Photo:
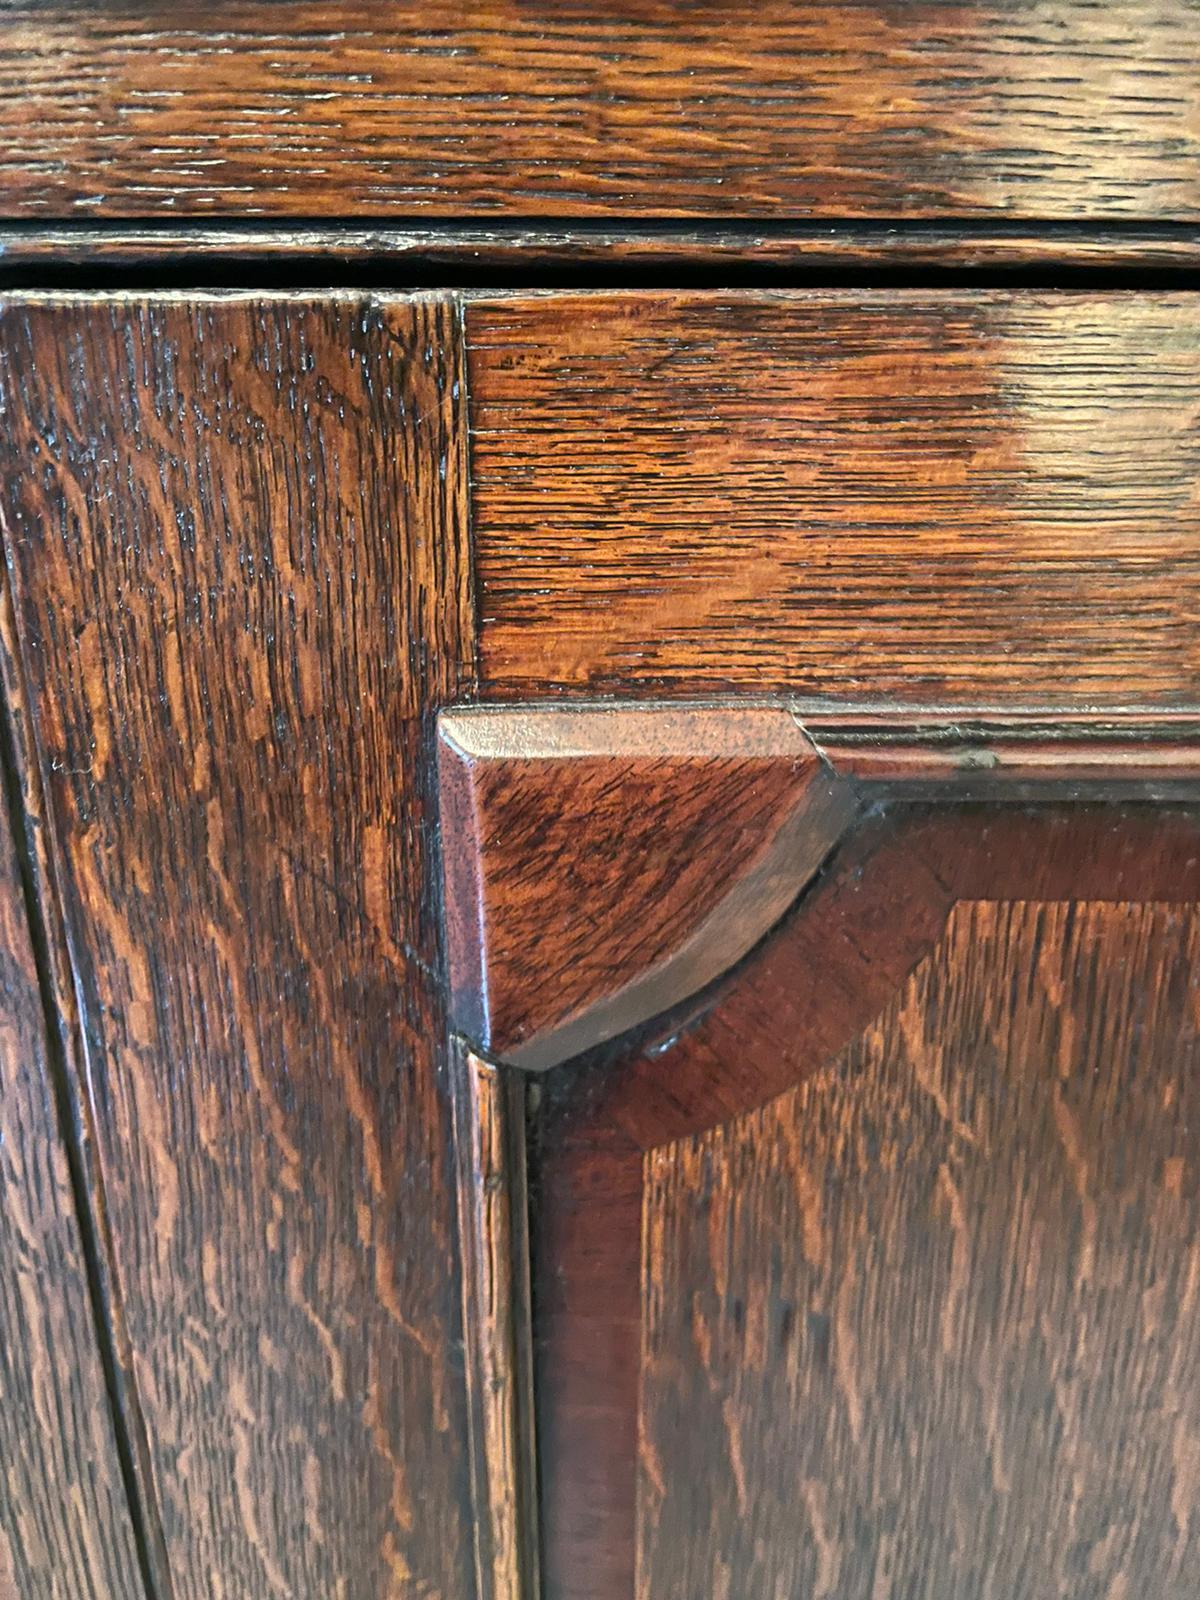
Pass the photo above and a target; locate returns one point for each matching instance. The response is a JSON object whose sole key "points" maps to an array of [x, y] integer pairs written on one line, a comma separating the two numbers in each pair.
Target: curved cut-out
{"points": [[603, 864]]}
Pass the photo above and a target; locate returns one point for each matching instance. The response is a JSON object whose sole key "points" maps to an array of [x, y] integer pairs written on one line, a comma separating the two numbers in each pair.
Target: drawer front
{"points": [[792, 109]]}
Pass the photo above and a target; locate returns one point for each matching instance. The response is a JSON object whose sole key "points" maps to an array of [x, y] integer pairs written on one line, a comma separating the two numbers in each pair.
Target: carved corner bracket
{"points": [[603, 864]]}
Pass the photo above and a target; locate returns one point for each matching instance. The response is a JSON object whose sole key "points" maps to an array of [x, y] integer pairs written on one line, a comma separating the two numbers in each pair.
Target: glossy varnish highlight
{"points": [[985, 498]]}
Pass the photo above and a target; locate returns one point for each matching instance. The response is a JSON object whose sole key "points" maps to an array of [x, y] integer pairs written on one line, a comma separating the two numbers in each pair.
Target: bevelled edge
{"points": [[493, 1223]]}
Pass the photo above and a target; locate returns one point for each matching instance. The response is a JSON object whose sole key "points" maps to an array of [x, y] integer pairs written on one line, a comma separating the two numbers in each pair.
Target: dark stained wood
{"points": [[809, 991], [236, 530], [493, 1209], [66, 1529], [602, 864], [924, 497], [927, 1324], [861, 108], [483, 252]]}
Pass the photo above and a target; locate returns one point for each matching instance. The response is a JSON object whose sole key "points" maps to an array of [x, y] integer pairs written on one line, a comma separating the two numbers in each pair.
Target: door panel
{"points": [[927, 1324], [869, 1266]]}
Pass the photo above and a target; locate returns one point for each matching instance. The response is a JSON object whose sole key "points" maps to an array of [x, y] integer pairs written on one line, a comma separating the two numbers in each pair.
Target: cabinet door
{"points": [[864, 1229], [824, 955]]}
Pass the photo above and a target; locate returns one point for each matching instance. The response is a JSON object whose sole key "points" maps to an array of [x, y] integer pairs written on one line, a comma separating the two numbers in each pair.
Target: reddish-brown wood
{"points": [[493, 1209], [236, 532], [927, 1324], [601, 865], [917, 497], [982, 809], [810, 991], [859, 108]]}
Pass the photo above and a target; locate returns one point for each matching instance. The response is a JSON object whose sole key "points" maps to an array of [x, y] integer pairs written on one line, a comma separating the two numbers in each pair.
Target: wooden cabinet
{"points": [[599, 643]]}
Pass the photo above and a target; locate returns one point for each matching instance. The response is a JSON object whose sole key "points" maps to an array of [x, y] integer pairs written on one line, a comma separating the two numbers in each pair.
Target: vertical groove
{"points": [[464, 412], [489, 1107], [29, 822]]}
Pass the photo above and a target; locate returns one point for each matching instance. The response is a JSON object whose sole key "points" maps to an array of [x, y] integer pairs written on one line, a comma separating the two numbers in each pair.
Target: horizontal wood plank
{"points": [[863, 108], [498, 252], [925, 496]]}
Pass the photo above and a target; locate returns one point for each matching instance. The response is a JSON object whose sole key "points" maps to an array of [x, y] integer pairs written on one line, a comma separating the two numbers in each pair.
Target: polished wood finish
{"points": [[926, 1325], [284, 108], [938, 814], [602, 865], [66, 1527], [236, 531], [493, 1208], [608, 1154], [923, 497]]}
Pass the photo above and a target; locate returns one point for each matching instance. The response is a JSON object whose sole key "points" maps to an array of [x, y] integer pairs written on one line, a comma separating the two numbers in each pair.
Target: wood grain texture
{"points": [[927, 1325], [236, 531], [851, 109], [603, 864], [805, 996], [66, 1529], [493, 1210], [925, 497]]}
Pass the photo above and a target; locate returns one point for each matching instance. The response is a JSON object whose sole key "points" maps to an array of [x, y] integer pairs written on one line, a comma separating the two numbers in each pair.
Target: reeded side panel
{"points": [[236, 532]]}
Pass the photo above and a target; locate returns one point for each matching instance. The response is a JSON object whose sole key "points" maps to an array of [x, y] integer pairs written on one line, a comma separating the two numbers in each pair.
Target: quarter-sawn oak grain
{"points": [[236, 531], [918, 497], [802, 998], [1059, 109], [927, 1324], [65, 1526]]}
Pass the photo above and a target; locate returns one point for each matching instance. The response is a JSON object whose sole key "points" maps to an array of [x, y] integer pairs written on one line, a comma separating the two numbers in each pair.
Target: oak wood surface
{"points": [[804, 997], [236, 532], [917, 496], [926, 1325], [601, 865], [257, 107], [66, 1529]]}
